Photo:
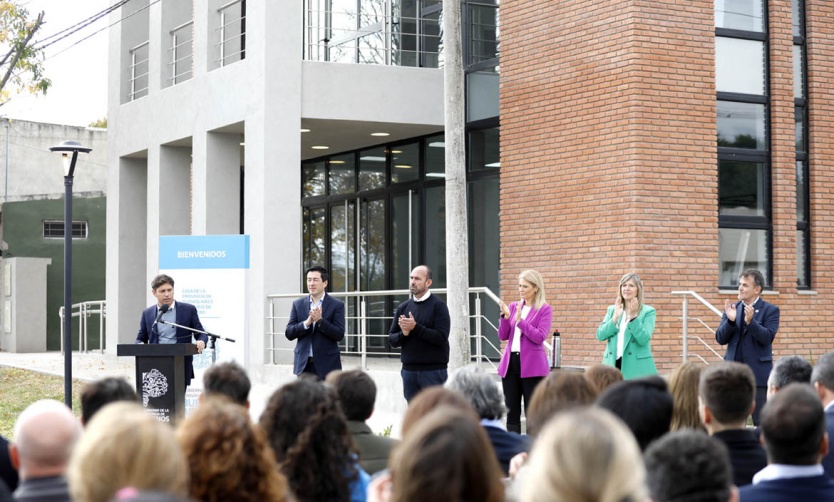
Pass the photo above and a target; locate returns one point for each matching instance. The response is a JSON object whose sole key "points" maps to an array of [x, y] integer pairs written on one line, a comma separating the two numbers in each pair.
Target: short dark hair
{"points": [[793, 425], [728, 389], [644, 404], [788, 370], [756, 275], [227, 379], [325, 277], [688, 465], [102, 392], [356, 391], [824, 371], [160, 280]]}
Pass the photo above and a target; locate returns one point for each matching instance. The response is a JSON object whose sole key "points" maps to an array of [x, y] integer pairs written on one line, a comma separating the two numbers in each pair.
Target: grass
{"points": [[20, 388]]}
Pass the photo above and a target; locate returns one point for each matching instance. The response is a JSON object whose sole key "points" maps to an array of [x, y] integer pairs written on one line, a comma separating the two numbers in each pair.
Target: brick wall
{"points": [[608, 159]]}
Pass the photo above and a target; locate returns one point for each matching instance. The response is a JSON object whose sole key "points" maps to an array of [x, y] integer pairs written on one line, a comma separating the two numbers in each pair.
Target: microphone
{"points": [[164, 308]]}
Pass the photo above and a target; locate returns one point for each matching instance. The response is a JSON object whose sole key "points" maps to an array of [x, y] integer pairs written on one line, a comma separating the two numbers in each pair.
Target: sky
{"points": [[78, 95]]}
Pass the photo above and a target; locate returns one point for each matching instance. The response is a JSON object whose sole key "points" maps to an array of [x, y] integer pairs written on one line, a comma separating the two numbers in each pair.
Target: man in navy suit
{"points": [[317, 321], [793, 431], [152, 330], [823, 380], [748, 328]]}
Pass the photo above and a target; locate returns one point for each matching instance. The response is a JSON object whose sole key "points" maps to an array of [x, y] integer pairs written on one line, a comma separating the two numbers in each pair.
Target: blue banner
{"points": [[203, 251]]}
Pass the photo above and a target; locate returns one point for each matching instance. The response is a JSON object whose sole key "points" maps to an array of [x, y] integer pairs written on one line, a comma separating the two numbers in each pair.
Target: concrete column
{"points": [[221, 198], [174, 208]]}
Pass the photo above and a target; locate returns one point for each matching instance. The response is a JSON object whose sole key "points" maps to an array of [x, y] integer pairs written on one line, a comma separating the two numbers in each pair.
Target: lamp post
{"points": [[69, 153]]}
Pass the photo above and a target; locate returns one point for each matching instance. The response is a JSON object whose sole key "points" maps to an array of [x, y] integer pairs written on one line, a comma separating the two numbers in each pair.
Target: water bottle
{"points": [[556, 351]]}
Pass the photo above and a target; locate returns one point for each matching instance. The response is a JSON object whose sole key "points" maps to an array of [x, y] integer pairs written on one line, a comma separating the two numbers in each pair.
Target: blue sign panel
{"points": [[203, 251]]}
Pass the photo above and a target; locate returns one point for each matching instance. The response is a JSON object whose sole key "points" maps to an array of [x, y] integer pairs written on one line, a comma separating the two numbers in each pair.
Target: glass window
{"points": [[484, 149], [796, 17], [802, 279], [435, 157], [798, 73], [740, 249], [405, 163], [741, 188], [741, 125], [483, 32], [342, 174], [404, 232], [747, 15], [800, 191], [799, 122], [313, 182], [342, 245], [314, 233], [436, 234], [371, 169], [739, 66]]}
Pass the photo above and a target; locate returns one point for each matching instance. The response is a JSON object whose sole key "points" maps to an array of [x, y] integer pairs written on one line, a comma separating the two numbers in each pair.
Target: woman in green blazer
{"points": [[628, 328]]}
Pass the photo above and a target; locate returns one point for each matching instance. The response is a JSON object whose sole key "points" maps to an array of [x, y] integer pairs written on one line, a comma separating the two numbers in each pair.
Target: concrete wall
{"points": [[23, 293]]}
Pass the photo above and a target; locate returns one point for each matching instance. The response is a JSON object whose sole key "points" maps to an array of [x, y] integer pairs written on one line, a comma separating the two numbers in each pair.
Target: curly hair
{"points": [[308, 433], [228, 456]]}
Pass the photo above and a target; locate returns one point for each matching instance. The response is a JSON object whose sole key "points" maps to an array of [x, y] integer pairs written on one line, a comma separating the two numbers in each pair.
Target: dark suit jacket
{"points": [[186, 316], [324, 336], [506, 445], [373, 450], [747, 455], [754, 340], [49, 489], [813, 488], [828, 460], [7, 472]]}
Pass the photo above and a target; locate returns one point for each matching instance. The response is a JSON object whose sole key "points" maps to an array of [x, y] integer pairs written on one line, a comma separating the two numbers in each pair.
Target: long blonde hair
{"points": [[632, 276], [537, 281]]}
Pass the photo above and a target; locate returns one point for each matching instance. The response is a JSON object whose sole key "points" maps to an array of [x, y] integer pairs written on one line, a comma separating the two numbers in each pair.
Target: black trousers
{"points": [[761, 398], [516, 389]]}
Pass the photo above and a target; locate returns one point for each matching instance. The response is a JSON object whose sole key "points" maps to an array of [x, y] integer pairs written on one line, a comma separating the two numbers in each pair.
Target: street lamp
{"points": [[69, 152]]}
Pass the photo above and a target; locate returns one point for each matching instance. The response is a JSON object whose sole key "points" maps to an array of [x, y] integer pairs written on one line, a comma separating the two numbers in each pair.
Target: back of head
{"points": [[356, 391], [688, 465], [227, 379], [728, 389], [643, 404], [683, 385], [228, 456], [788, 370], [793, 426], [124, 446], [584, 455], [603, 376], [44, 436], [102, 392], [823, 373], [447, 456], [429, 399], [481, 389], [559, 391]]}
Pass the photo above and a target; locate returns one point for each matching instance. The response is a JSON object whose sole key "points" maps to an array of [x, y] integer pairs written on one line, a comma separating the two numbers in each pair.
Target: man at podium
{"points": [[155, 325]]}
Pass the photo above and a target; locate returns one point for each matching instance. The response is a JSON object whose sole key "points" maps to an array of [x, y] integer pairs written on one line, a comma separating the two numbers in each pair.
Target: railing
{"points": [[374, 33], [685, 295], [361, 319], [139, 71], [232, 32], [83, 311], [182, 52]]}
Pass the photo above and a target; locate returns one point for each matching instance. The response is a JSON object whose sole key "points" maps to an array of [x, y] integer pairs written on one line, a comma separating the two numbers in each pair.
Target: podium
{"points": [[160, 376]]}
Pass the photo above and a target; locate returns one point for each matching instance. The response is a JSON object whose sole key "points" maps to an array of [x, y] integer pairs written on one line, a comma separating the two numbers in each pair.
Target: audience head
{"points": [[356, 391], [308, 433], [793, 426], [683, 385], [688, 465], [481, 389], [124, 446], [228, 379], [429, 399], [228, 456], [584, 454], [603, 376], [44, 436], [446, 456], [788, 370], [105, 391], [823, 377], [727, 395], [559, 391], [643, 404]]}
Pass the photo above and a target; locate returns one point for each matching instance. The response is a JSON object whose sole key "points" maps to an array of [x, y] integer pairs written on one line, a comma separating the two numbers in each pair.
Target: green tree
{"points": [[21, 62], [101, 123]]}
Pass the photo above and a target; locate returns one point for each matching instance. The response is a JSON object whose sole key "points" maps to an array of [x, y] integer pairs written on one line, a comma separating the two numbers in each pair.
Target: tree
{"points": [[21, 62], [100, 123]]}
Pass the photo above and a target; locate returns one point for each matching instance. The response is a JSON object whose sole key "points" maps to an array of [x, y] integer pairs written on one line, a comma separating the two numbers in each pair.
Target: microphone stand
{"points": [[211, 336]]}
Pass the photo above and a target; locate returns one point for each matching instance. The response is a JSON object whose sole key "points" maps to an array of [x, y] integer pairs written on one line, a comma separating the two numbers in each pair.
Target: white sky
{"points": [[78, 94]]}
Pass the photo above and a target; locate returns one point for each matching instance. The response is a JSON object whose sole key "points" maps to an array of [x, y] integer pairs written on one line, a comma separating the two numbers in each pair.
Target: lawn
{"points": [[20, 388]]}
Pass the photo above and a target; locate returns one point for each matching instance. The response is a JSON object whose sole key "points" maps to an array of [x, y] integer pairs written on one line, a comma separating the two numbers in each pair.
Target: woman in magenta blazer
{"points": [[525, 325]]}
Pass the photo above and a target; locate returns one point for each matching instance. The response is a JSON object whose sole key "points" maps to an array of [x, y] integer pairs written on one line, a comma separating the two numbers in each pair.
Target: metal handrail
{"points": [[685, 295], [182, 51], [362, 319], [224, 39], [134, 77], [83, 311]]}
